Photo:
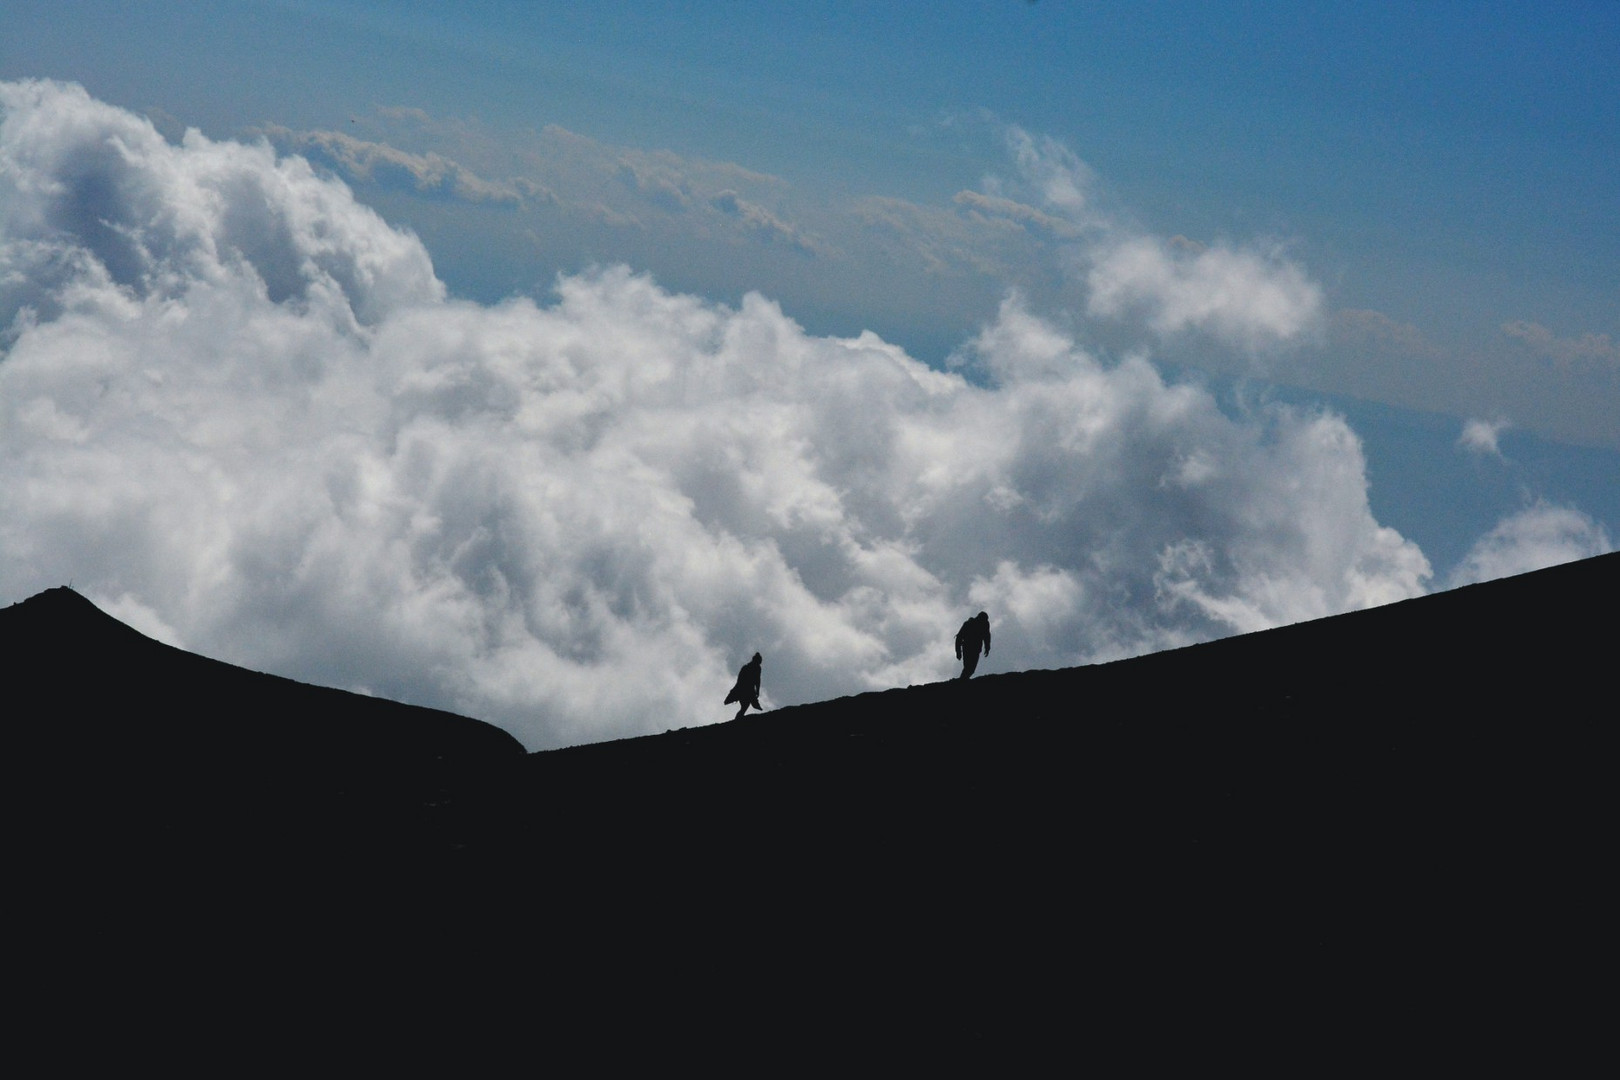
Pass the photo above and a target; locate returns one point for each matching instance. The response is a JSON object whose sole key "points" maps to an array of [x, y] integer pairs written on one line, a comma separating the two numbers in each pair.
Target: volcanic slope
{"points": [[1395, 820], [130, 746]]}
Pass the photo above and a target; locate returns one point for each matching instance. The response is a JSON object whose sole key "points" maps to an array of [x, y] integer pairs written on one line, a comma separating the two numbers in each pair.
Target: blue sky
{"points": [[1452, 134], [1447, 165], [1403, 217]]}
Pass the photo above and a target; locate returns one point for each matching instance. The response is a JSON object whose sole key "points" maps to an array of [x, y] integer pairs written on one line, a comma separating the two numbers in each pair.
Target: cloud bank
{"points": [[238, 409], [373, 162], [505, 210]]}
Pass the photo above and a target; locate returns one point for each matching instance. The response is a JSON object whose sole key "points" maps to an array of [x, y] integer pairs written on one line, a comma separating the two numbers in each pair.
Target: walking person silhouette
{"points": [[974, 635], [746, 692]]}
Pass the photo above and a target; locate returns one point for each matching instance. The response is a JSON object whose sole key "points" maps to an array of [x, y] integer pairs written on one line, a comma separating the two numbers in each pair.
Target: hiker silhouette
{"points": [[746, 692], [974, 635]]}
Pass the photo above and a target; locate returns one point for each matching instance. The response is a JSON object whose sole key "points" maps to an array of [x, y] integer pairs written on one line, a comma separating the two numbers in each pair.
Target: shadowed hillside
{"points": [[150, 749], [1393, 821]]}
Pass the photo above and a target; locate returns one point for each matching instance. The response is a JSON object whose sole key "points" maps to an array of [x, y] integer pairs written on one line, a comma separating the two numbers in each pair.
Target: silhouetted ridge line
{"points": [[148, 747], [1344, 831], [71, 644], [1513, 640], [1391, 813]]}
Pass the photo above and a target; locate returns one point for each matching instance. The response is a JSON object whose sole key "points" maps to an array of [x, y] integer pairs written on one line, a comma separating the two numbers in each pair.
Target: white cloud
{"points": [[1534, 538], [238, 407], [1248, 297], [99, 210], [1480, 436], [1062, 179]]}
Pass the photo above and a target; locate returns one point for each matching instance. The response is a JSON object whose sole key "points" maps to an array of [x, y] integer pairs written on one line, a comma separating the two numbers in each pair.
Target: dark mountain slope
{"points": [[1428, 691], [1311, 844], [1390, 819], [144, 747]]}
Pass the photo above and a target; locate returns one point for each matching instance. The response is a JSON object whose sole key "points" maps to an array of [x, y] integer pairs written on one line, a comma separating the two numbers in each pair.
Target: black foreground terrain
{"points": [[1285, 850]]}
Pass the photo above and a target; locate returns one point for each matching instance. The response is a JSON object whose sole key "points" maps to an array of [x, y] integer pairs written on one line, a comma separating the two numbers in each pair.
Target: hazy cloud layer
{"points": [[1564, 387], [761, 222], [237, 409], [373, 162], [1052, 232], [561, 173], [930, 272], [1590, 353]]}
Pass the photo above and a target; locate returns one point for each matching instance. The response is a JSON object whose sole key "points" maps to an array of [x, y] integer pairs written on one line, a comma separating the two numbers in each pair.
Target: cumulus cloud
{"points": [[1249, 297], [239, 409], [1480, 436], [1534, 538], [1244, 297]]}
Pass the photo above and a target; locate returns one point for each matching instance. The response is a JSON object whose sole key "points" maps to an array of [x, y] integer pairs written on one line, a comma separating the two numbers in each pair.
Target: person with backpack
{"points": [[974, 635], [746, 692]]}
